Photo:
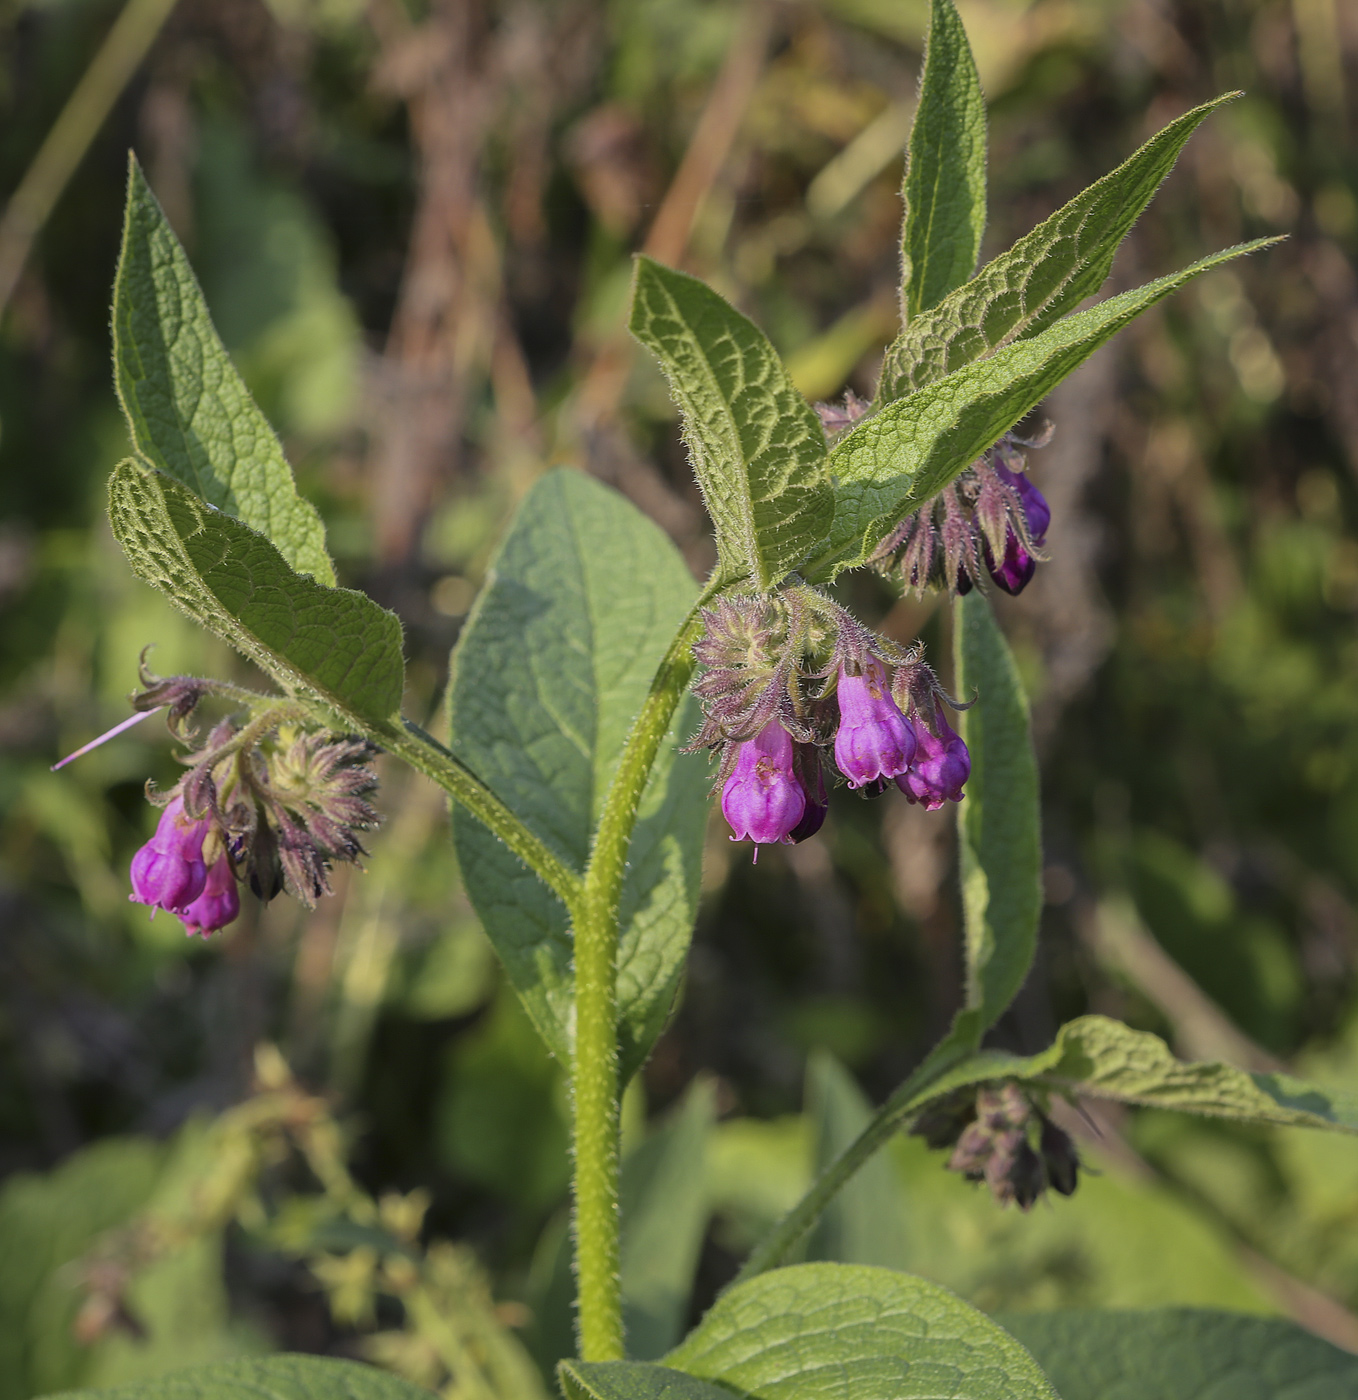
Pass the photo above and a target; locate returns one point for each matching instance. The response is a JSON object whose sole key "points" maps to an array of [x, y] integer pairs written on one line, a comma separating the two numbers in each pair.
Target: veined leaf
{"points": [[998, 822], [830, 1331], [188, 410], [902, 456], [757, 447], [945, 175], [269, 1378], [580, 605], [1183, 1354], [1043, 275], [333, 644], [632, 1380], [1104, 1059]]}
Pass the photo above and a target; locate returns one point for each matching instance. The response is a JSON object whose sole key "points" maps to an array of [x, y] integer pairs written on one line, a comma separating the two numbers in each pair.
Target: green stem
{"points": [[425, 754], [595, 1071], [774, 1248]]}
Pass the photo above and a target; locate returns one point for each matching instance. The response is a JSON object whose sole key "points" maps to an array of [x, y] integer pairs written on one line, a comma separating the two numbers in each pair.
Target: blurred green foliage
{"points": [[413, 224]]}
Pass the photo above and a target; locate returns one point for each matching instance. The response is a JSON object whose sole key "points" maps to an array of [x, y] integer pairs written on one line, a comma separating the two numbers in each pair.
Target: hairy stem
{"points": [[595, 1071], [425, 754], [773, 1249]]}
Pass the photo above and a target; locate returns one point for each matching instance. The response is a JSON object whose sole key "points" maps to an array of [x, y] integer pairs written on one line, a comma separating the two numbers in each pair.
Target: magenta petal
{"points": [[762, 799]]}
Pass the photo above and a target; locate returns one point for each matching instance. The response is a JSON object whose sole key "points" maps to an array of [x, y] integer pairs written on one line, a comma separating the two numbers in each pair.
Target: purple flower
{"points": [[875, 740], [942, 764], [762, 799], [218, 904], [168, 872]]}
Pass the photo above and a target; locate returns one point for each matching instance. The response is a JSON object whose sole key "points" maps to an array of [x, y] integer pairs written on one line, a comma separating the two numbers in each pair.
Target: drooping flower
{"points": [[763, 800], [217, 906], [941, 766], [168, 872], [875, 740]]}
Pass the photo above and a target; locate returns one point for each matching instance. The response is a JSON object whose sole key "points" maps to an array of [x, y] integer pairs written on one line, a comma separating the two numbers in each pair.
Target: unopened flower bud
{"points": [[168, 872], [941, 767], [875, 740], [217, 906], [763, 800]]}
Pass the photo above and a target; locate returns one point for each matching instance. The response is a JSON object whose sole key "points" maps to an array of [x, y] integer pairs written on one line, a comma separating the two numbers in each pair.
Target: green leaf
{"points": [[945, 177], [632, 1380], [998, 822], [271, 1378], [331, 644], [904, 455], [757, 447], [581, 603], [189, 413], [863, 1223], [840, 1330], [1105, 1059], [664, 1208], [1043, 275], [1183, 1354]]}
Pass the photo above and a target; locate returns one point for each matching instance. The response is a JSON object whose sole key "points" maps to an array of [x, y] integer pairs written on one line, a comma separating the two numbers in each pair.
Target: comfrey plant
{"points": [[577, 819]]}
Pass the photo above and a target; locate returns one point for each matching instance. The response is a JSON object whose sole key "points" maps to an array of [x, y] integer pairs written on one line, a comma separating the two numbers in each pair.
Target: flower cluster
{"points": [[790, 677], [266, 803], [991, 518], [999, 1136]]}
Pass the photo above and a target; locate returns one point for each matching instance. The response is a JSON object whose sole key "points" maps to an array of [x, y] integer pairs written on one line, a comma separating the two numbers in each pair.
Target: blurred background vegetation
{"points": [[413, 224]]}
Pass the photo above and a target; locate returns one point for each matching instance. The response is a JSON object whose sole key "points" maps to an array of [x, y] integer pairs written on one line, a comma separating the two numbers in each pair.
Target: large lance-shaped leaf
{"points": [[998, 823], [904, 455], [1183, 1354], [945, 175], [266, 1378], [332, 644], [1104, 1059], [833, 1331], [580, 605], [1043, 275], [756, 445], [189, 413]]}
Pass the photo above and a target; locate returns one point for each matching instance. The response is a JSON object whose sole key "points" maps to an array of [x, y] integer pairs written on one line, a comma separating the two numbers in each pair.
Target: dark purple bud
{"points": [[1060, 1158], [875, 740], [1015, 570], [763, 800], [940, 768], [217, 906], [806, 765], [263, 865], [168, 872], [1034, 503]]}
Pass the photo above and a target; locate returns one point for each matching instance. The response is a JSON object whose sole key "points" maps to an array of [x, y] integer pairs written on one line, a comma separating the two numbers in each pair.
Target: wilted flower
{"points": [[168, 872], [874, 740], [763, 799], [991, 1131]]}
